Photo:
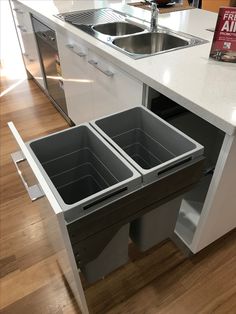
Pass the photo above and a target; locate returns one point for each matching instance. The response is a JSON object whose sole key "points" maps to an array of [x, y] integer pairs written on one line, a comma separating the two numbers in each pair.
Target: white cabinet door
{"points": [[28, 42], [219, 210], [113, 89], [93, 86], [52, 216], [77, 82], [18, 13]]}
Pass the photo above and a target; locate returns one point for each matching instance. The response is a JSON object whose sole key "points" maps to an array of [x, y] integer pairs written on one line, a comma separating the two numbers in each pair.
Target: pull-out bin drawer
{"points": [[155, 149], [99, 192], [84, 173]]}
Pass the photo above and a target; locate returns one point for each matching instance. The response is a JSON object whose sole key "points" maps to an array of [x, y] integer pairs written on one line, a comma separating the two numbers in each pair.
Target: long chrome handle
{"points": [[96, 65], [26, 55], [34, 191], [22, 28], [18, 11], [80, 53]]}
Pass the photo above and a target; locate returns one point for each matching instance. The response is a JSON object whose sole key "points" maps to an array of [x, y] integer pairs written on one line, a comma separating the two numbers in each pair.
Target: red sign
{"points": [[224, 42]]}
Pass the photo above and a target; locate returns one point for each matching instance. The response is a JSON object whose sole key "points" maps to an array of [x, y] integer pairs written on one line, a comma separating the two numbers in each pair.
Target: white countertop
{"points": [[187, 76]]}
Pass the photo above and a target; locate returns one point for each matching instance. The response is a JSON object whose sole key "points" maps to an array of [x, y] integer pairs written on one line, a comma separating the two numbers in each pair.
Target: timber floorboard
{"points": [[161, 280]]}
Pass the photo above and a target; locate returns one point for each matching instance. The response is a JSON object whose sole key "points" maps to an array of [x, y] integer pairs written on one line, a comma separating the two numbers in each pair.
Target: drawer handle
{"points": [[26, 55], [18, 11], [106, 72], [22, 28], [34, 191], [80, 53], [106, 197], [52, 38], [172, 167]]}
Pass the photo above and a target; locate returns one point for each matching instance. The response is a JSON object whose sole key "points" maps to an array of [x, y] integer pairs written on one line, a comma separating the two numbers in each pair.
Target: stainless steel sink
{"points": [[127, 33], [150, 43], [117, 29]]}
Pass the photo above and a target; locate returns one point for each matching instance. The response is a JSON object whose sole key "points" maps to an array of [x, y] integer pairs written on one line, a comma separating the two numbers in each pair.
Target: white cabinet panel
{"points": [[93, 86], [77, 82], [219, 212], [113, 89], [27, 42], [52, 216]]}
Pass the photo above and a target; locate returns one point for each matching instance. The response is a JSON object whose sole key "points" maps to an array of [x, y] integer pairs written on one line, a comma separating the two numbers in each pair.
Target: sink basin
{"points": [[150, 43], [128, 34], [117, 29]]}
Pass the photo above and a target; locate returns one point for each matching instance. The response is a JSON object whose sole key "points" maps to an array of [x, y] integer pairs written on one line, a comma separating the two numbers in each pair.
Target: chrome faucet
{"points": [[154, 17]]}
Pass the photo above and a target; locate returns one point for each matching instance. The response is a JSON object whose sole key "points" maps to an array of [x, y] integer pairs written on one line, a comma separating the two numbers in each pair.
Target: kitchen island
{"points": [[202, 86]]}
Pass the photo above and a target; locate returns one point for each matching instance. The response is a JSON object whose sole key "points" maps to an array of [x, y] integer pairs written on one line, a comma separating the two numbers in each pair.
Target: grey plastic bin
{"points": [[155, 149], [149, 143], [114, 255], [155, 226], [85, 172]]}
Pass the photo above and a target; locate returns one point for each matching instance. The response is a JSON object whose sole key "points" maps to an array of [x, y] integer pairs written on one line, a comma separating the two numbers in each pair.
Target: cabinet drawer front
{"points": [[22, 17], [113, 89], [77, 83], [53, 221], [18, 13], [28, 42], [73, 57], [31, 173]]}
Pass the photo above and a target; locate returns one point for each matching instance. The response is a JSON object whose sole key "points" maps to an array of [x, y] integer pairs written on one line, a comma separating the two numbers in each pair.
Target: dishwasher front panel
{"points": [[48, 51]]}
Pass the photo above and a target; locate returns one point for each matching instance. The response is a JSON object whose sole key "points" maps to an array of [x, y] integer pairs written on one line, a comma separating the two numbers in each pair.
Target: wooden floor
{"points": [[160, 281]]}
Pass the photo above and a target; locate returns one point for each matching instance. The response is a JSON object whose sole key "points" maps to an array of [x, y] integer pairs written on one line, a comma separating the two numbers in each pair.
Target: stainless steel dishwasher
{"points": [[48, 51]]}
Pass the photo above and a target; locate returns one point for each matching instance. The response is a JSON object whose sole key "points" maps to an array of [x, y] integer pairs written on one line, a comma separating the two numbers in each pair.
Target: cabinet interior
{"points": [[207, 135]]}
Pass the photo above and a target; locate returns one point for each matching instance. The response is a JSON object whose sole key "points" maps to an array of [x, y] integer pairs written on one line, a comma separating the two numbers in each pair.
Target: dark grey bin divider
{"points": [[114, 255], [82, 169], [155, 226], [149, 143]]}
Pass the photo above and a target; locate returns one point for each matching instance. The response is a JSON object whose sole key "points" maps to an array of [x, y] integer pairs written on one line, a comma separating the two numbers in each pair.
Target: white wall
{"points": [[10, 56]]}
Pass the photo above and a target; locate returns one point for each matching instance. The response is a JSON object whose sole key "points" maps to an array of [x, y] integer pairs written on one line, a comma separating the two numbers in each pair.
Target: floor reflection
{"points": [[12, 67]]}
